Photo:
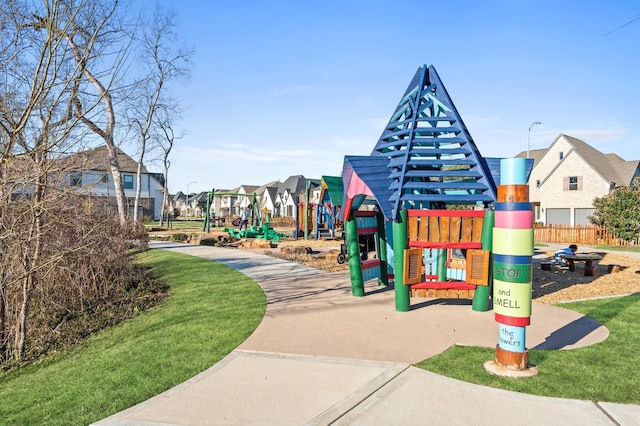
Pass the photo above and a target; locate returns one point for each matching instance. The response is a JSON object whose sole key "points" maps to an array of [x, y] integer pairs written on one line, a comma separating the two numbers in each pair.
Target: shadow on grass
{"points": [[570, 333]]}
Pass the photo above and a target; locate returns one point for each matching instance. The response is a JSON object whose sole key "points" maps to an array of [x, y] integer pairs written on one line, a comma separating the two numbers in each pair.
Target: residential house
{"points": [[198, 204], [224, 208], [89, 173], [269, 201], [291, 192], [177, 203], [217, 206], [242, 201], [278, 198], [265, 196], [230, 202], [569, 175], [315, 195]]}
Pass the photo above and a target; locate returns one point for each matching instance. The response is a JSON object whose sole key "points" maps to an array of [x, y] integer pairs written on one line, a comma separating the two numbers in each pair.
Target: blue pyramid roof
{"points": [[431, 159]]}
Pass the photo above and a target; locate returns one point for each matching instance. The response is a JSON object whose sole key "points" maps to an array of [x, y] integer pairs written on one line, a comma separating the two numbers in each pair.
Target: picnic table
{"points": [[587, 258]]}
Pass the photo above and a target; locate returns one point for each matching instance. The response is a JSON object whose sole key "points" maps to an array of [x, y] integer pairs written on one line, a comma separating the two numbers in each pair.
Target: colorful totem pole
{"points": [[512, 276]]}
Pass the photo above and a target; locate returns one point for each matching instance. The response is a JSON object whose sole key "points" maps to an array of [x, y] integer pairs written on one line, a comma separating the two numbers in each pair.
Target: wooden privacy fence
{"points": [[585, 234]]}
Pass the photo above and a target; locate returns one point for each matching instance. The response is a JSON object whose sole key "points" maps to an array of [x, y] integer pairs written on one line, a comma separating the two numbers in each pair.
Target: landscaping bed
{"points": [[560, 284]]}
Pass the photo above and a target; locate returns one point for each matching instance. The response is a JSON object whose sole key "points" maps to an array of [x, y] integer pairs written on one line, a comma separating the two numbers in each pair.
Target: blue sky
{"points": [[281, 88]]}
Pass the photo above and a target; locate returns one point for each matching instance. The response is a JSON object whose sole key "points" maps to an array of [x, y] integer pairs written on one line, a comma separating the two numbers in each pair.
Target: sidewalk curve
{"points": [[321, 356]]}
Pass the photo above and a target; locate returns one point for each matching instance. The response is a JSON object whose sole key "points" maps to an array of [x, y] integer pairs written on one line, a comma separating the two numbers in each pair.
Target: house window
{"points": [[538, 183], [573, 183], [127, 181], [561, 155], [76, 179]]}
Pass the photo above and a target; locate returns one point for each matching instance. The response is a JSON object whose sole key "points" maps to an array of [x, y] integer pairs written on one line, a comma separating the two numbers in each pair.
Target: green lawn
{"points": [[212, 309], [606, 371]]}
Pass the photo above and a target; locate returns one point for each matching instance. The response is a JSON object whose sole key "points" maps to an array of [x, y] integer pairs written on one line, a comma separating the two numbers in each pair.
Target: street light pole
{"points": [[529, 135], [188, 197]]}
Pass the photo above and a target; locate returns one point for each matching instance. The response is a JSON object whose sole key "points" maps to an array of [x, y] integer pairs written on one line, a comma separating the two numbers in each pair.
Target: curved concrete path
{"points": [[322, 356]]}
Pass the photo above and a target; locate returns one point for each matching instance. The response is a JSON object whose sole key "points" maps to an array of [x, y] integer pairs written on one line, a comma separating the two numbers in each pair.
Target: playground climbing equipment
{"points": [[264, 231], [426, 161]]}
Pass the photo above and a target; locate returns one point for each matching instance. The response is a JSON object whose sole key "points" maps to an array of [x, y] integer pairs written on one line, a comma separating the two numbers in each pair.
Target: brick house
{"points": [[569, 175]]}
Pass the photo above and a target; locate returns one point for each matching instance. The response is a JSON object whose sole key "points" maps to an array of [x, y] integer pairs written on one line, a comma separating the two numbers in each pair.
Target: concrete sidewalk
{"points": [[321, 356]]}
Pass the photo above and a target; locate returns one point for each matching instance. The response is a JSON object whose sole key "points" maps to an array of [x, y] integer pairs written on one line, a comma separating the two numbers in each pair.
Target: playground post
{"points": [[512, 274]]}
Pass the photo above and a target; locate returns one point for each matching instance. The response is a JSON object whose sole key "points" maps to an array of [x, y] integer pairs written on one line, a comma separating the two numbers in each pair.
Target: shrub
{"points": [[619, 212], [179, 237], [79, 277]]}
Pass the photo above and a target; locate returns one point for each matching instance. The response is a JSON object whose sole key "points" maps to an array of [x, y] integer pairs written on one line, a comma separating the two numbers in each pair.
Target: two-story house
{"points": [[569, 175], [292, 191], [88, 173]]}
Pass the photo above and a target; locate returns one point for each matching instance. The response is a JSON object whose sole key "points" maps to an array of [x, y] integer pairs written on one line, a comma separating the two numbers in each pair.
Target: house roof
{"points": [[273, 184], [610, 166], [202, 196], [271, 192], [179, 196], [98, 159], [249, 189], [534, 154], [297, 184]]}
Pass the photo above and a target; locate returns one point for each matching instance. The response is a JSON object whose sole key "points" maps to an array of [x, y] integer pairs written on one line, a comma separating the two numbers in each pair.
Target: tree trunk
{"points": [[136, 203], [165, 195], [3, 320], [112, 150], [31, 261]]}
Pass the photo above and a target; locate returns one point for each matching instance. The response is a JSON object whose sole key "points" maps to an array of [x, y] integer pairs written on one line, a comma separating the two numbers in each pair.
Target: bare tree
{"points": [[49, 234], [164, 62], [100, 43], [36, 126], [166, 138]]}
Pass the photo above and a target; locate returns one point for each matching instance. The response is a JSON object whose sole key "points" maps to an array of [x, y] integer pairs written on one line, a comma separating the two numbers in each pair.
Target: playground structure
{"points": [[423, 166], [262, 230], [431, 269], [321, 216], [364, 226], [331, 194]]}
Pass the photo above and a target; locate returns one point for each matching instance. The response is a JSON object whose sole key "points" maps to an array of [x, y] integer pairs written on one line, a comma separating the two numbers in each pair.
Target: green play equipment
{"points": [[363, 225], [264, 231], [206, 224]]}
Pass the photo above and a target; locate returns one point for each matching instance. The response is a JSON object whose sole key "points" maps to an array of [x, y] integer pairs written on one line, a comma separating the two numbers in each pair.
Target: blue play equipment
{"points": [[425, 159]]}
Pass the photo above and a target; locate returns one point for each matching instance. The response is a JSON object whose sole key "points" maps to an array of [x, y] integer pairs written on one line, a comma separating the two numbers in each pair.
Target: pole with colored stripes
{"points": [[512, 273]]}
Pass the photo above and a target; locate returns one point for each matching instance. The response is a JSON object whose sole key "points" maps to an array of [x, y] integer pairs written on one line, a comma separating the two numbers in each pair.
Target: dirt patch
{"points": [[318, 254], [560, 284]]}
